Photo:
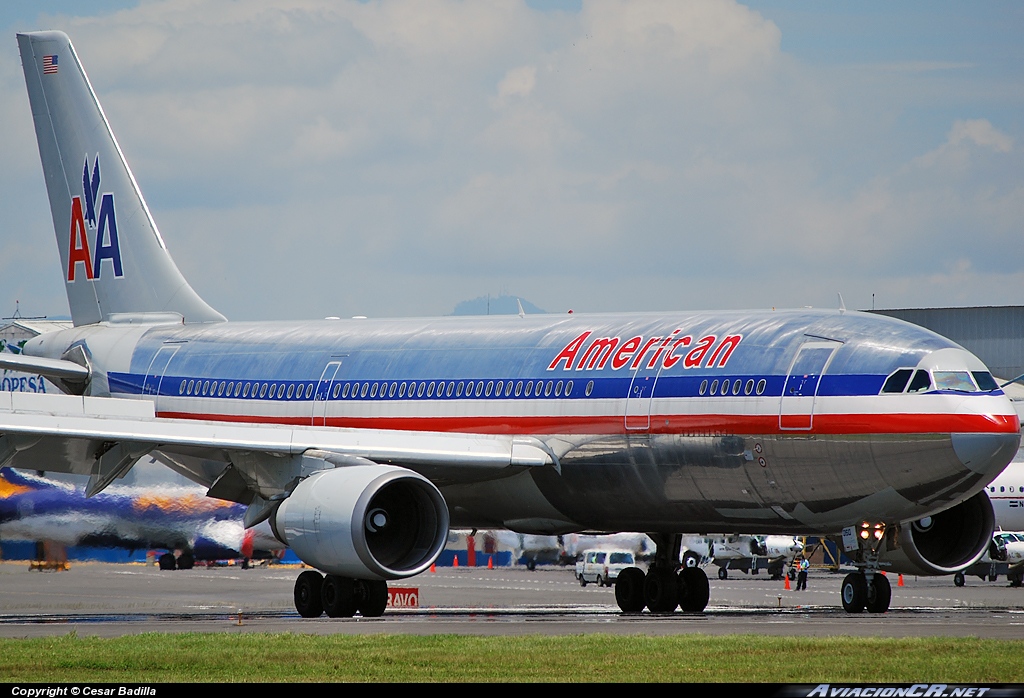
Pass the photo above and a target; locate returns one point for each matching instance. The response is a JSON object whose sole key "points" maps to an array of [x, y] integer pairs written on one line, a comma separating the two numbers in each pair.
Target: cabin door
{"points": [[157, 368], [796, 407], [323, 393], [641, 393]]}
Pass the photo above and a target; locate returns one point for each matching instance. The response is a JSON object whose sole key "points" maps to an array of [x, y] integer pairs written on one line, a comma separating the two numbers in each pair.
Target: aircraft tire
{"points": [[167, 562], [338, 595], [723, 573], [879, 595], [186, 561], [694, 590], [373, 600], [308, 601], [629, 590], [959, 579], [993, 577], [691, 559], [854, 592], [661, 591], [1016, 579]]}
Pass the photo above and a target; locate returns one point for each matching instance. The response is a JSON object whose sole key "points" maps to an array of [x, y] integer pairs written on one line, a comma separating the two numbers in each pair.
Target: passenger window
{"points": [[392, 389], [548, 387], [714, 387], [749, 387], [519, 388], [373, 391], [703, 386], [897, 381], [309, 390], [529, 388], [922, 381], [590, 387], [363, 390], [761, 385], [568, 387], [458, 389], [737, 386], [263, 391], [291, 390]]}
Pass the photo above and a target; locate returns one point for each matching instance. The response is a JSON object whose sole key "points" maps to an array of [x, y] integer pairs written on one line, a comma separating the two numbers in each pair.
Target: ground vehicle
{"points": [[602, 566]]}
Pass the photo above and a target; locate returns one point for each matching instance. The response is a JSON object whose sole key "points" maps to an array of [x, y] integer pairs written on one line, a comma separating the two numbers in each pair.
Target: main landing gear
{"points": [[339, 597], [666, 586]]}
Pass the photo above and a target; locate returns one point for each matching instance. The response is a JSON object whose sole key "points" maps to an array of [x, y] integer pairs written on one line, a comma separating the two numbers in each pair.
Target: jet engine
{"points": [[943, 543], [364, 522]]}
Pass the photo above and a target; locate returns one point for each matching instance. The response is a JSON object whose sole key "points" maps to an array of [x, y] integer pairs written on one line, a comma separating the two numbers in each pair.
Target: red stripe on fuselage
{"points": [[660, 424]]}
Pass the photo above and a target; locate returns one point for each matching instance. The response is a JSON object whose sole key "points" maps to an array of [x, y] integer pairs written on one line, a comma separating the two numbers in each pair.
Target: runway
{"points": [[112, 600]]}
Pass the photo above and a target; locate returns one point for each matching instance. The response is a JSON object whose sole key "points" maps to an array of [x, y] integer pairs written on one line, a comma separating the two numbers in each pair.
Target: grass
{"points": [[578, 658]]}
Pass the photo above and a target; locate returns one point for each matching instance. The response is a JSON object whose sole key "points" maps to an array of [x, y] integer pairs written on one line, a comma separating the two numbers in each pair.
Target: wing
{"points": [[104, 437]]}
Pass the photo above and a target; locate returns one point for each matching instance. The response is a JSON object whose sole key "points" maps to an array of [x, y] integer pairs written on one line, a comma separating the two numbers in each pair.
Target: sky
{"points": [[324, 158]]}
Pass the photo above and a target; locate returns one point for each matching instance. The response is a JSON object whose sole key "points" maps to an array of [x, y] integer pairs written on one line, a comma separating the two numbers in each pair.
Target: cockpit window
{"points": [[922, 381], [985, 380], [954, 380], [897, 381]]}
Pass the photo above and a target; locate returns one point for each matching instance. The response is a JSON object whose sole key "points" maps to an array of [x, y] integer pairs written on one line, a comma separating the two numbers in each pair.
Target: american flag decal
{"points": [[50, 65]]}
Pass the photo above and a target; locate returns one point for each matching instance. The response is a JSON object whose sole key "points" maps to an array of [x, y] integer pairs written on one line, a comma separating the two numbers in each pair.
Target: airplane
{"points": [[168, 517], [746, 553], [361, 441], [1006, 493]]}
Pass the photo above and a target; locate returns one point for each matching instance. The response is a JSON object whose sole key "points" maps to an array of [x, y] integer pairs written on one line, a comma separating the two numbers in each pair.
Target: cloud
{"points": [[388, 158]]}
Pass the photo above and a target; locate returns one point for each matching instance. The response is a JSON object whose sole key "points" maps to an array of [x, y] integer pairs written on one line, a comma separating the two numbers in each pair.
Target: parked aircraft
{"points": [[171, 518], [362, 440], [745, 553], [1007, 495]]}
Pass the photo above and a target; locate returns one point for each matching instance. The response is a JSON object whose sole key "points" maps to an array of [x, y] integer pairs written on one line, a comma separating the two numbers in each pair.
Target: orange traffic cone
{"points": [[900, 582], [490, 562], [455, 561], [433, 568], [786, 577]]}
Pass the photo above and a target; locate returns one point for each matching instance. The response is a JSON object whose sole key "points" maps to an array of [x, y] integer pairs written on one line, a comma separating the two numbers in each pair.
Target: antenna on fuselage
{"points": [[522, 313], [842, 306]]}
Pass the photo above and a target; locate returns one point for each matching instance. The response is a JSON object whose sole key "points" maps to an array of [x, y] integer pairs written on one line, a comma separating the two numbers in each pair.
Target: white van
{"points": [[602, 566]]}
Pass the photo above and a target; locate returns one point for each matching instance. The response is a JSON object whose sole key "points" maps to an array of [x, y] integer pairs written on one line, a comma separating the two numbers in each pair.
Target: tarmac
{"points": [[111, 600]]}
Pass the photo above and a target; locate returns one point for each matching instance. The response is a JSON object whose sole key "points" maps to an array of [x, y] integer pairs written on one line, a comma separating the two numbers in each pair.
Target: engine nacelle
{"points": [[944, 543], [364, 522]]}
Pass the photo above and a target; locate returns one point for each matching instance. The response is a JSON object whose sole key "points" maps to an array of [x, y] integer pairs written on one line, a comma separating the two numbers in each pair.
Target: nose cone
{"points": [[986, 454]]}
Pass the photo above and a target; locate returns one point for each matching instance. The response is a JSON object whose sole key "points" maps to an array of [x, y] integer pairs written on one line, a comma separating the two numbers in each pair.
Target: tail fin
{"points": [[113, 258]]}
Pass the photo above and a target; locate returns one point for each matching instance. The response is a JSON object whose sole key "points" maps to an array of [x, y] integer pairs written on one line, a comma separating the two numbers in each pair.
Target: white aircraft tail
{"points": [[113, 258]]}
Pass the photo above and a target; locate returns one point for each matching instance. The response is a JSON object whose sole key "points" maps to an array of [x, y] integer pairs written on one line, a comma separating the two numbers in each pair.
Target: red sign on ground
{"points": [[403, 597]]}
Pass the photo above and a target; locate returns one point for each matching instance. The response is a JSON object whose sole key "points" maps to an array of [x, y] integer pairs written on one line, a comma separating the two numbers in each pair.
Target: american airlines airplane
{"points": [[362, 441]]}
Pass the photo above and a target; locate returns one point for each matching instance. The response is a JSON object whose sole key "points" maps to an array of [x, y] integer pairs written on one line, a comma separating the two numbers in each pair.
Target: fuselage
{"points": [[789, 422]]}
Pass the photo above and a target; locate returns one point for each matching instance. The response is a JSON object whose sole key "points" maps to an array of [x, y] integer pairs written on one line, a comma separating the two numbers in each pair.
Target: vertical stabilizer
{"points": [[113, 259]]}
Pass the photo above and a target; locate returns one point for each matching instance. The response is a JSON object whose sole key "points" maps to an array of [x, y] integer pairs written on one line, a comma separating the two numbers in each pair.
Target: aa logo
{"points": [[93, 236]]}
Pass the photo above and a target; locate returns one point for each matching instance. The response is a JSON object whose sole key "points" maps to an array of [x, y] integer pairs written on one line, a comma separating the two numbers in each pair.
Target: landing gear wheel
{"points": [[629, 590], [723, 573], [694, 590], [959, 579], [186, 561], [661, 590], [879, 594], [691, 559], [338, 595], [993, 577], [167, 561], [307, 594], [1016, 579], [374, 598], [855, 592], [791, 574]]}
